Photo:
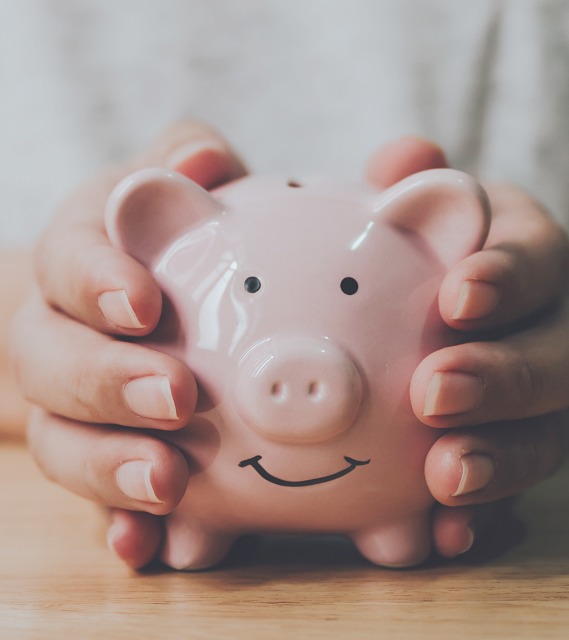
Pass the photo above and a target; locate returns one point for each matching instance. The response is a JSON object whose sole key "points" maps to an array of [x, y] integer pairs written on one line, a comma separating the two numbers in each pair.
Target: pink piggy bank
{"points": [[303, 310]]}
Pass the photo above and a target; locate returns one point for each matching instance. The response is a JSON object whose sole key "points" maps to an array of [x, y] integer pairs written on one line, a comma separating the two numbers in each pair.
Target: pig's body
{"points": [[303, 312]]}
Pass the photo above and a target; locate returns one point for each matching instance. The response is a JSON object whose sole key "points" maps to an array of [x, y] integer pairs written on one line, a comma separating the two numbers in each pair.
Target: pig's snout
{"points": [[298, 389]]}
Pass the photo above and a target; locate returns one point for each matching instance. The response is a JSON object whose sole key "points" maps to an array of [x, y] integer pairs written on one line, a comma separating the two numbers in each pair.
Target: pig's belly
{"points": [[341, 498]]}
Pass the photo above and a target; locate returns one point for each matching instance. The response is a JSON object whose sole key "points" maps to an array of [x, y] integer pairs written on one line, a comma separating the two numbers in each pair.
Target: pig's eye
{"points": [[252, 284], [349, 286]]}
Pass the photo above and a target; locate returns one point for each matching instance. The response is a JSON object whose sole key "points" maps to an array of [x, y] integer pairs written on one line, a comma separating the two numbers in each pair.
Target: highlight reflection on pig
{"points": [[303, 310]]}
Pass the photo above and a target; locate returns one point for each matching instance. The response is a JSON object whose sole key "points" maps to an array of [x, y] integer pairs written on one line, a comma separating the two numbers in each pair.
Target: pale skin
{"points": [[516, 387], [16, 278]]}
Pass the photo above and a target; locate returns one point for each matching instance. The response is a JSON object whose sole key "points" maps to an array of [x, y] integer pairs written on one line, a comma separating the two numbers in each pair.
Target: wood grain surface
{"points": [[58, 580]]}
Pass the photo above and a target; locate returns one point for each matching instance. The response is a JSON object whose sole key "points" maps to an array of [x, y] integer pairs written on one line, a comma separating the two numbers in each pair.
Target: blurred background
{"points": [[303, 86]]}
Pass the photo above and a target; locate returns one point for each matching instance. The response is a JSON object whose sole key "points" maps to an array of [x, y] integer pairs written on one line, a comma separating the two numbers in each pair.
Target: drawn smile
{"points": [[255, 463]]}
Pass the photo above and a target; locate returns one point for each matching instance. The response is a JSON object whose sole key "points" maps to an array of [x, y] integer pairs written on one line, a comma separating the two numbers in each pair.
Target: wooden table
{"points": [[57, 579]]}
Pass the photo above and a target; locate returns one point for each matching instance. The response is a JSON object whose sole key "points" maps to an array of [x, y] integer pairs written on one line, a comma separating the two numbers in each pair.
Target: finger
{"points": [[485, 464], [522, 375], [121, 469], [403, 157], [135, 537], [455, 529], [94, 378], [523, 267], [197, 151], [80, 273]]}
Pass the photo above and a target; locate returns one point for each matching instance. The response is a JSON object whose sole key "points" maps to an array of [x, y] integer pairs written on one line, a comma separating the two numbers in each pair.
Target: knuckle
{"points": [[509, 261], [528, 383], [81, 267], [89, 388]]}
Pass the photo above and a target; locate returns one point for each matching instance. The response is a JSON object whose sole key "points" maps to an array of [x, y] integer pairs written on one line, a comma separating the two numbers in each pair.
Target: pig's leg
{"points": [[188, 546], [403, 543]]}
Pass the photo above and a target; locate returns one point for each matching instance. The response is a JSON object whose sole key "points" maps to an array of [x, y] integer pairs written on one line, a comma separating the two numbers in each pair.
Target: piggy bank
{"points": [[302, 309]]}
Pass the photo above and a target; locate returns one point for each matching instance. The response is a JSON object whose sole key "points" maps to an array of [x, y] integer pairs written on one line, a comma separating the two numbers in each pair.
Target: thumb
{"points": [[403, 157]]}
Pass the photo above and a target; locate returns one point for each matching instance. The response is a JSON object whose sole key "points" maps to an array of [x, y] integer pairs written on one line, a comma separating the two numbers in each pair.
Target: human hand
{"points": [[95, 451], [505, 394], [69, 364], [16, 279]]}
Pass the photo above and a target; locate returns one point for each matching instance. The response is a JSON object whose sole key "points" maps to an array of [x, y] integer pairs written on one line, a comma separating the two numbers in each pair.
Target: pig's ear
{"points": [[150, 208], [446, 209]]}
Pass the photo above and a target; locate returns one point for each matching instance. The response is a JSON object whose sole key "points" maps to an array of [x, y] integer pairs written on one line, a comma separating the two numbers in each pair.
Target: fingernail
{"points": [[452, 392], [477, 473], [112, 535], [477, 299], [133, 479], [151, 397], [177, 158], [116, 309], [468, 542]]}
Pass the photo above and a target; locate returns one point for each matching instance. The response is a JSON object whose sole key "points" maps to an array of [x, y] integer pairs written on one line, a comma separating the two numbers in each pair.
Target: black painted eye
{"points": [[252, 284], [349, 286]]}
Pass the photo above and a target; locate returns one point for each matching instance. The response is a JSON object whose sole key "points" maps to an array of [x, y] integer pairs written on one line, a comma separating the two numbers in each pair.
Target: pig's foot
{"points": [[189, 547], [401, 544]]}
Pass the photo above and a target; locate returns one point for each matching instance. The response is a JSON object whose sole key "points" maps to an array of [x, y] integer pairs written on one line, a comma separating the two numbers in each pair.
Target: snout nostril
{"points": [[278, 391], [316, 390]]}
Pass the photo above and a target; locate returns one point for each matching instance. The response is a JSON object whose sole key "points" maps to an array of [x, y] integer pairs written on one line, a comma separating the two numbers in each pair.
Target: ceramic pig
{"points": [[303, 310]]}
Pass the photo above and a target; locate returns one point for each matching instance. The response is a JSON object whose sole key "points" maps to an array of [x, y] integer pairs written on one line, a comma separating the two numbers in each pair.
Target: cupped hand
{"points": [[69, 362], [511, 436], [503, 393]]}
